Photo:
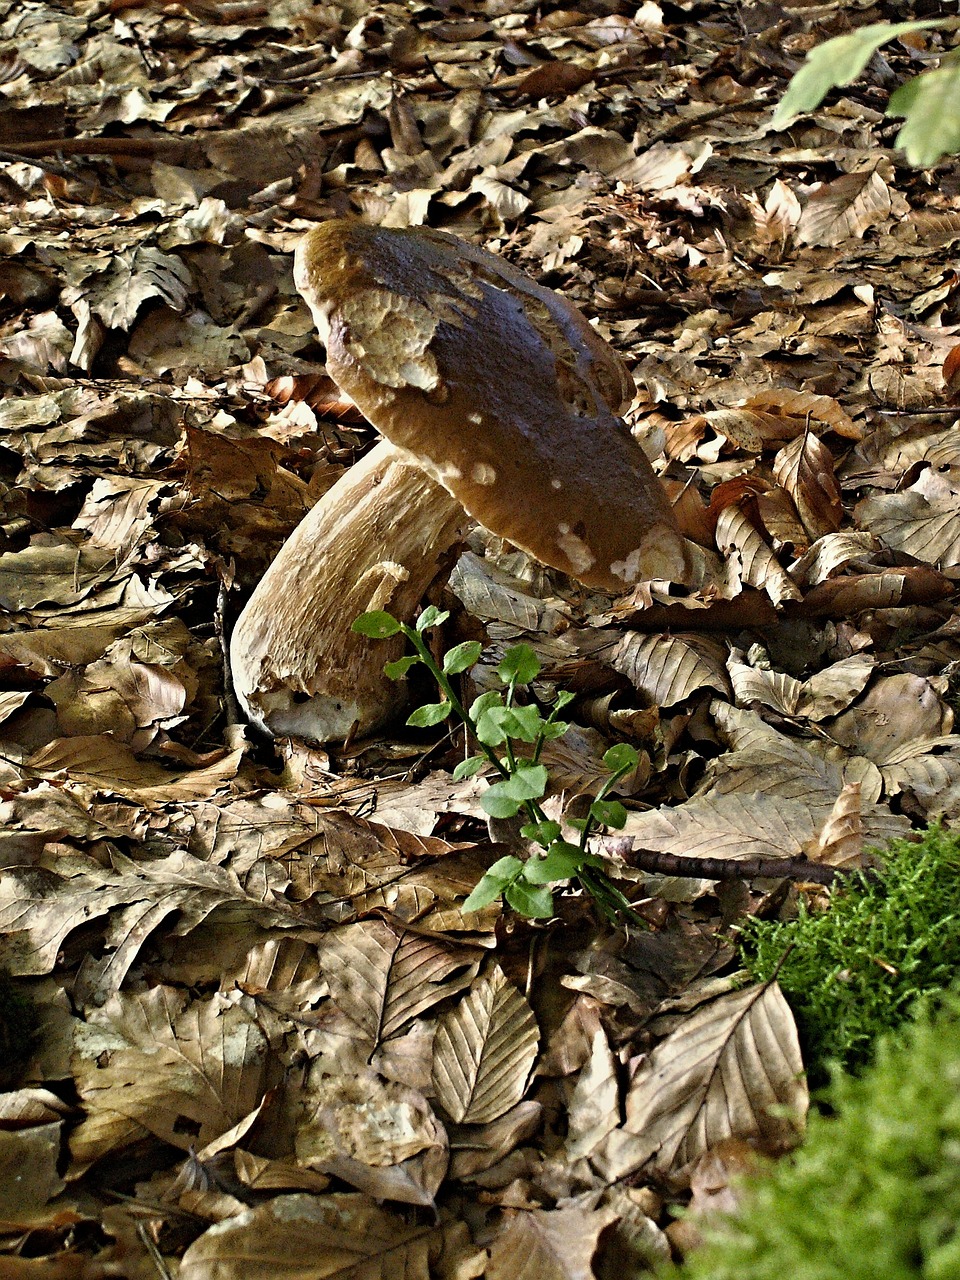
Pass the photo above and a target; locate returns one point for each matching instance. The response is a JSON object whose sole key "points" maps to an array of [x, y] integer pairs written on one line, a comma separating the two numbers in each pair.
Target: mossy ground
{"points": [[874, 1193], [856, 970]]}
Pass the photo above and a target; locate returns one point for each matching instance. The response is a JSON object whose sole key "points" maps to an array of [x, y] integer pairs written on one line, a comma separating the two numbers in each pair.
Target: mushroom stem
{"points": [[376, 540]]}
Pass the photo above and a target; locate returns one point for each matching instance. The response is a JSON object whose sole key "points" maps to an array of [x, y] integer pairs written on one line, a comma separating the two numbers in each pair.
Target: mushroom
{"points": [[498, 402]]}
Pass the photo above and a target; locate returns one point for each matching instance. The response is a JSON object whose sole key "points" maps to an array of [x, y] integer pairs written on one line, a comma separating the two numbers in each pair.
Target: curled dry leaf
{"points": [[779, 413], [824, 694], [889, 589], [804, 468], [670, 669], [760, 567], [840, 842], [732, 1070], [484, 1050]]}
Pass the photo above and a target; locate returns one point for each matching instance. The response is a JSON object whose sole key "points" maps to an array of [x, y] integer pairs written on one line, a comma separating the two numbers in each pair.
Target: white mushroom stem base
{"points": [[376, 540]]}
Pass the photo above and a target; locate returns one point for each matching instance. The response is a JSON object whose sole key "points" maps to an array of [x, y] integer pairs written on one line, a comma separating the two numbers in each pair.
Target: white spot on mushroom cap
{"points": [[390, 336], [556, 484], [483, 473], [475, 418], [628, 569], [575, 549]]}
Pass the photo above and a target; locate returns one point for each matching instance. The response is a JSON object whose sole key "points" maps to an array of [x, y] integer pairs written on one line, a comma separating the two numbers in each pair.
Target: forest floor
{"points": [[269, 1039]]}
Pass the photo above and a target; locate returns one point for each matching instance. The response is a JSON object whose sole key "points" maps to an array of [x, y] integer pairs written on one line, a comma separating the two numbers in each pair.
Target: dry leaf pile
{"points": [[270, 1041]]}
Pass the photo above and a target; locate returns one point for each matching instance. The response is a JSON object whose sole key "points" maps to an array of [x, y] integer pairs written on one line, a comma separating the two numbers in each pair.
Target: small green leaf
{"points": [[622, 757], [467, 768], [534, 902], [609, 813], [397, 670], [837, 62], [562, 862], [563, 699], [488, 725], [931, 104], [431, 617], [505, 799], [520, 665], [461, 656], [430, 713], [503, 873], [378, 625], [543, 832], [481, 704], [523, 723], [528, 783], [554, 729], [499, 805]]}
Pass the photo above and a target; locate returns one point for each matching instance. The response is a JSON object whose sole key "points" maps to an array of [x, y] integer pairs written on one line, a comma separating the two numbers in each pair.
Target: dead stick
{"points": [[672, 864]]}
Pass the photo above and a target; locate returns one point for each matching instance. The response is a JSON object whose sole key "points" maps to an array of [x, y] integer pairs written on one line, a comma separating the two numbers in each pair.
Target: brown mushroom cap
{"points": [[499, 389]]}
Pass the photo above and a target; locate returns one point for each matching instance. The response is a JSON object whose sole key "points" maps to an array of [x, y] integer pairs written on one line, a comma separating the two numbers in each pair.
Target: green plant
{"points": [[854, 970], [929, 103], [875, 1189], [511, 736]]}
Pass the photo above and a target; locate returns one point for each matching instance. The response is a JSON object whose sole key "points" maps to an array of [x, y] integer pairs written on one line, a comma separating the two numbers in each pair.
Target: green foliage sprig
{"points": [[857, 969], [511, 736], [929, 103]]}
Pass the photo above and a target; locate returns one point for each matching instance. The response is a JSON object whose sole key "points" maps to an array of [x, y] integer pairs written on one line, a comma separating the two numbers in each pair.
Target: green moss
{"points": [[875, 1190], [853, 971]]}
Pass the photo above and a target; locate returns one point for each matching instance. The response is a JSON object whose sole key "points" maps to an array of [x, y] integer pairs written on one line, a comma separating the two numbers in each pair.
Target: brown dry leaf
{"points": [[760, 567], [780, 414], [927, 528], [475, 1148], [548, 1244], [158, 1062], [31, 1133], [932, 781], [100, 765], [900, 716], [750, 429], [889, 589], [53, 570], [840, 842], [845, 208], [383, 976], [736, 825], [484, 1050], [335, 1237], [732, 1070], [670, 669], [41, 905], [380, 1136], [824, 694], [829, 554], [805, 469], [595, 1105]]}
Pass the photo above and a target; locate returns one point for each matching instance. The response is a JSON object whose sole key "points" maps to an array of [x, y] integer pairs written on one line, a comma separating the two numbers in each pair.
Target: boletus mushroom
{"points": [[497, 401]]}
